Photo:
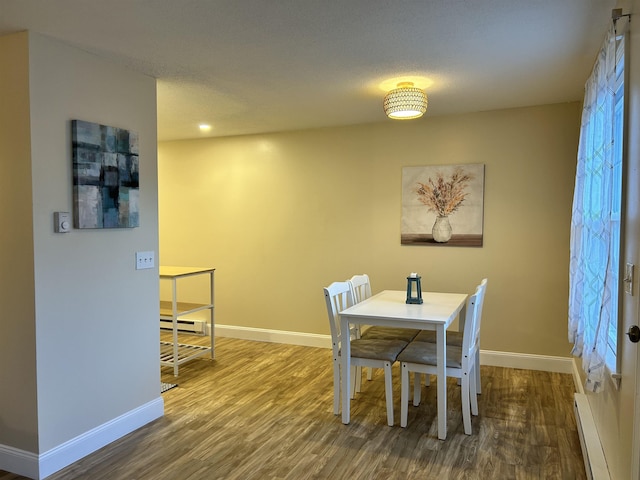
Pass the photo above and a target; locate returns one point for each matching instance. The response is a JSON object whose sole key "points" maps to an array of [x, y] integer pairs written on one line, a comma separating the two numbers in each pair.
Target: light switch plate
{"points": [[145, 260]]}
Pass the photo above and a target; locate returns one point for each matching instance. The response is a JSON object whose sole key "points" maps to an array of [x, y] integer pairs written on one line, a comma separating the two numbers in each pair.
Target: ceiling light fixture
{"points": [[204, 127], [405, 102]]}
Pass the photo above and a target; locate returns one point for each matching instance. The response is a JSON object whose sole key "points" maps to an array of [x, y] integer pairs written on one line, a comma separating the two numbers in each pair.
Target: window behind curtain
{"points": [[596, 217]]}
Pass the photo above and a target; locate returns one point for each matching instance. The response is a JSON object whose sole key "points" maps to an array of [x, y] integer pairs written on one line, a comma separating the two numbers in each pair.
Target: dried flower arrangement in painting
{"points": [[444, 197], [444, 190]]}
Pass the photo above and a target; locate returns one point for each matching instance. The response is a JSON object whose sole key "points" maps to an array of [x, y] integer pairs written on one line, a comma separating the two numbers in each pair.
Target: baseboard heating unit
{"points": [[594, 462], [197, 327]]}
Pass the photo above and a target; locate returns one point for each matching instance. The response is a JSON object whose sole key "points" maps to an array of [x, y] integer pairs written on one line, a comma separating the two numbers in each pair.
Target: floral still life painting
{"points": [[443, 205]]}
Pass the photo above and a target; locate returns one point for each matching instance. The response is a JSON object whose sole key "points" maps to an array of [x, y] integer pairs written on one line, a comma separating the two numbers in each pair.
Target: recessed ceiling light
{"points": [[205, 127]]}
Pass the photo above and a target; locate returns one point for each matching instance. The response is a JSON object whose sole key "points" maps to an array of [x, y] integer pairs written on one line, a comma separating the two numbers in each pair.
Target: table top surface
{"points": [[172, 272], [436, 307]]}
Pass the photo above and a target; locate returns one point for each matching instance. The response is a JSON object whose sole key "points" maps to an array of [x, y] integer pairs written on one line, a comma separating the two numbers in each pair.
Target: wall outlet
{"points": [[145, 260]]}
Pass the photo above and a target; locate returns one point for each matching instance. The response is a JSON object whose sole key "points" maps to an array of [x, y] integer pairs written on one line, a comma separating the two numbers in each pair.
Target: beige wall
{"points": [[79, 340], [18, 415], [96, 316], [282, 215]]}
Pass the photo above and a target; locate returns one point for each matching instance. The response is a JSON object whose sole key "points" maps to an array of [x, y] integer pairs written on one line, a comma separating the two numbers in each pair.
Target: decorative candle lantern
{"points": [[414, 289]]}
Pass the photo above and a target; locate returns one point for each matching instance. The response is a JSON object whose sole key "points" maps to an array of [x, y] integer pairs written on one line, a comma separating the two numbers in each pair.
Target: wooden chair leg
{"points": [[388, 390], [416, 388], [404, 394], [478, 387], [473, 396], [358, 376], [353, 382], [369, 373], [466, 404], [336, 386]]}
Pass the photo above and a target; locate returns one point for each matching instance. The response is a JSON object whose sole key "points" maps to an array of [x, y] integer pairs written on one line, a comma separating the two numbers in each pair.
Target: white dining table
{"points": [[389, 308]]}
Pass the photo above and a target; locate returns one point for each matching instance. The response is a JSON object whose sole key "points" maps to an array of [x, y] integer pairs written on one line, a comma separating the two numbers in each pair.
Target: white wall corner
{"points": [[577, 379]]}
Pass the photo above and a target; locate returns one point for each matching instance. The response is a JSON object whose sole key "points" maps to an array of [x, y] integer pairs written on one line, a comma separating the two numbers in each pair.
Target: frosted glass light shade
{"points": [[405, 102]]}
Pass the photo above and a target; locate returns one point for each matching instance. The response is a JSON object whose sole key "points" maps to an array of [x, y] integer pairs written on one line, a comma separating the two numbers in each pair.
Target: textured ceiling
{"points": [[254, 66]]}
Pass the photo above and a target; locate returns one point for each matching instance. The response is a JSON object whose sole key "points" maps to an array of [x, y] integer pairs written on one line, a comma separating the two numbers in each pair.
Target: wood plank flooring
{"points": [[264, 411]]}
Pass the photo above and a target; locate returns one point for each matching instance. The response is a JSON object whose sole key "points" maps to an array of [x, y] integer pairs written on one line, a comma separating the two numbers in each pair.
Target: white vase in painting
{"points": [[441, 230]]}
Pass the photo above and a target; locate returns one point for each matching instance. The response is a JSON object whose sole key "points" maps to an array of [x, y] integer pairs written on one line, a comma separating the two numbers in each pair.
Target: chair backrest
{"points": [[360, 287], [338, 296], [482, 288], [471, 335]]}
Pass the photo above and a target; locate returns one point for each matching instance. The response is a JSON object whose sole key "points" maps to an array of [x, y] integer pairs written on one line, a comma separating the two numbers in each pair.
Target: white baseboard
{"points": [[41, 466], [274, 336], [18, 461], [526, 361], [487, 357], [594, 460]]}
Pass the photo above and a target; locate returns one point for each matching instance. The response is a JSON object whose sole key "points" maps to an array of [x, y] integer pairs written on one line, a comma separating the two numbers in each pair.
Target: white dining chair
{"points": [[361, 290], [454, 339], [374, 353], [461, 362]]}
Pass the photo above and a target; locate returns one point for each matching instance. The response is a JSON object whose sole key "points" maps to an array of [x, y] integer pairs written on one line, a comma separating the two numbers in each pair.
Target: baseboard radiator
{"points": [[595, 463], [197, 327]]}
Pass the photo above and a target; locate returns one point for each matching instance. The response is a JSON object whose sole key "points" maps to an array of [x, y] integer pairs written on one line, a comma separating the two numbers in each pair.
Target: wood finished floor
{"points": [[264, 411]]}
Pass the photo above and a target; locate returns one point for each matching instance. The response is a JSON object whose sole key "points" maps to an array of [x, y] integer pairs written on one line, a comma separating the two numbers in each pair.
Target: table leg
{"points": [[442, 381], [174, 322], [345, 353]]}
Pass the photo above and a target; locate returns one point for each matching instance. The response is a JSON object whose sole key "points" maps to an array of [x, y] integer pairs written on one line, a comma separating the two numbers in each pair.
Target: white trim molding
{"points": [[526, 361], [274, 336], [41, 466], [18, 461], [487, 357], [595, 463]]}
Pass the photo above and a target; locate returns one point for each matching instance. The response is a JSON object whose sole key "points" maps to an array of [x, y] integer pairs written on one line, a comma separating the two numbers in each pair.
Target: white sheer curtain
{"points": [[591, 271]]}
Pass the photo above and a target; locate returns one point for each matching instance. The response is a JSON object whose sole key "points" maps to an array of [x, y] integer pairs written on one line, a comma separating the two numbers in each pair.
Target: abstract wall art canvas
{"points": [[443, 205], [106, 189]]}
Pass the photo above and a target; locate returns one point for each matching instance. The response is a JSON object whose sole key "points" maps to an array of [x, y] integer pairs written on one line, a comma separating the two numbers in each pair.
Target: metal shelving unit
{"points": [[173, 354]]}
